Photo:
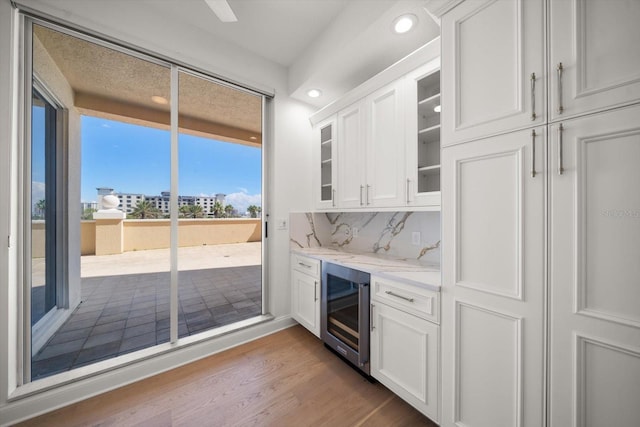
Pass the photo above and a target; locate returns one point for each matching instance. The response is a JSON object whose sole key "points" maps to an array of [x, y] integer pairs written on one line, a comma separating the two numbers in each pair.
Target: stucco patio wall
{"points": [[143, 234]]}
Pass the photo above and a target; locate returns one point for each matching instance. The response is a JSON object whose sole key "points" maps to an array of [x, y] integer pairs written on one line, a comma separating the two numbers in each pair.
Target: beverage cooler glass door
{"points": [[345, 313]]}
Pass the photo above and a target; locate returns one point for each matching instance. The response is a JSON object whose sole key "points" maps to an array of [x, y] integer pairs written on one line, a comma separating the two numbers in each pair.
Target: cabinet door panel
{"points": [[594, 270], [305, 301], [422, 98], [493, 281], [494, 48], [324, 163], [385, 149], [404, 357], [351, 157], [597, 44]]}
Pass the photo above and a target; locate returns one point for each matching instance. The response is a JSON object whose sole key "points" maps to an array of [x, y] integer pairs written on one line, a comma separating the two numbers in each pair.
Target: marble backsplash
{"points": [[382, 233]]}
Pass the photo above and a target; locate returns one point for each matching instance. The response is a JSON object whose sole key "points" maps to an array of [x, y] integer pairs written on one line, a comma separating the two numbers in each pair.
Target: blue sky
{"points": [[136, 159]]}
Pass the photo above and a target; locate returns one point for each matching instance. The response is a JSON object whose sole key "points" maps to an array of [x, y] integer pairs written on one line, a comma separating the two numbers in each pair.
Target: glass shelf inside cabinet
{"points": [[326, 152], [429, 133]]}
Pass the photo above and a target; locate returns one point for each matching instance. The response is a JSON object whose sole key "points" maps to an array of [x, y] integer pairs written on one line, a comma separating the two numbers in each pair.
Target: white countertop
{"points": [[400, 269]]}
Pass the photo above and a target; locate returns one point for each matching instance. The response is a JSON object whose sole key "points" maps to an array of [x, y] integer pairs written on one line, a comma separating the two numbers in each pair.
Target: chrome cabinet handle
{"points": [[533, 153], [533, 96], [393, 294], [315, 290], [560, 70], [560, 166], [408, 190], [366, 194], [361, 188], [371, 307], [333, 198]]}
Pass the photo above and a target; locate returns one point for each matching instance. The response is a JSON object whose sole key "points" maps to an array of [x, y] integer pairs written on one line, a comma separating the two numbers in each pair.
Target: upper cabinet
{"points": [[324, 155], [379, 145], [423, 135], [351, 156], [494, 68], [594, 56], [385, 147], [371, 150]]}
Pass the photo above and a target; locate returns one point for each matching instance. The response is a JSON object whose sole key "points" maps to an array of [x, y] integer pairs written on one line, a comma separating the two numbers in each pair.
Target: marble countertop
{"points": [[400, 269]]}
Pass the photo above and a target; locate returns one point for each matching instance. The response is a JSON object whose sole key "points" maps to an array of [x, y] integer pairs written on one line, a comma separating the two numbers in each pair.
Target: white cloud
{"points": [[37, 191], [242, 200]]}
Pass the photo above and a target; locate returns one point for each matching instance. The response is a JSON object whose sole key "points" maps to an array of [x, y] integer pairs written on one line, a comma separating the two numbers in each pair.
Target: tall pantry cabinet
{"points": [[541, 213]]}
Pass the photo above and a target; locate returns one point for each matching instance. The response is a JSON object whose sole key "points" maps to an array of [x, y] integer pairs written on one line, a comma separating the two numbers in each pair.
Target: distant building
{"points": [[88, 205], [128, 201]]}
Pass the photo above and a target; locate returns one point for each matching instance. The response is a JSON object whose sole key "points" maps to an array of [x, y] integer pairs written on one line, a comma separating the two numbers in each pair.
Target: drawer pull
{"points": [[302, 264], [393, 294]]}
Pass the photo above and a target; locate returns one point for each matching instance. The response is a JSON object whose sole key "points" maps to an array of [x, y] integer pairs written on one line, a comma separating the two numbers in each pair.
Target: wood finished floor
{"points": [[286, 379]]}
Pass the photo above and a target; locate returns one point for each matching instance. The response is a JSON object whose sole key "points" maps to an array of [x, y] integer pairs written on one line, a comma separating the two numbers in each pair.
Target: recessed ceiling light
{"points": [[437, 108], [404, 23], [314, 93], [159, 100]]}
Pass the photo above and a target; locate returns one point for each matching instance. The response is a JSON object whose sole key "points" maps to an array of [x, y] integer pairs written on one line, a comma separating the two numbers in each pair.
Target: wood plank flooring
{"points": [[286, 379]]}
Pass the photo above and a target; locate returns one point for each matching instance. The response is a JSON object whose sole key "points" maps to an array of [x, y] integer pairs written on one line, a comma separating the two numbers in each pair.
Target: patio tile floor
{"points": [[125, 313]]}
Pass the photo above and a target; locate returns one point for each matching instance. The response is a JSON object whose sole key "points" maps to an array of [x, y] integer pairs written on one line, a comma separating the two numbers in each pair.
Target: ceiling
{"points": [[331, 45], [114, 85]]}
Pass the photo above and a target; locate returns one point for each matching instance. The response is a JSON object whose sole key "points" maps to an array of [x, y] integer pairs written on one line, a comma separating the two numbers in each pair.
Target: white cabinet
{"points": [[351, 157], [492, 68], [558, 249], [383, 150], [493, 292], [422, 100], [597, 43], [594, 270], [371, 151], [404, 346], [324, 157], [385, 147], [305, 292]]}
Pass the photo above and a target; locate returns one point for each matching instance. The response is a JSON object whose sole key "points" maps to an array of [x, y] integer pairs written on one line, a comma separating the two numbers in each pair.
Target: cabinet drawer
{"points": [[305, 265], [408, 298]]}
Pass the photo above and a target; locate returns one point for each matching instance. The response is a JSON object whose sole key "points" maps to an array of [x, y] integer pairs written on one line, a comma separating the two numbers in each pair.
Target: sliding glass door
{"points": [[43, 203], [145, 201]]}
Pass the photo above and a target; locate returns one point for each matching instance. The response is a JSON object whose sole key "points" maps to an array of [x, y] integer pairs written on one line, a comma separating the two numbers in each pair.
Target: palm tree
{"points": [[40, 206], [191, 211], [144, 210], [254, 210], [217, 209], [88, 213], [228, 210]]}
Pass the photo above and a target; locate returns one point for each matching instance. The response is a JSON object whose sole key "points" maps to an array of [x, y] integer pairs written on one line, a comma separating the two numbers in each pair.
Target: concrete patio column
{"points": [[109, 227]]}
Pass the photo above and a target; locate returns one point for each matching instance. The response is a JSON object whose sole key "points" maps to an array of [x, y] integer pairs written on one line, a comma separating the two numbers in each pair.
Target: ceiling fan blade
{"points": [[222, 9]]}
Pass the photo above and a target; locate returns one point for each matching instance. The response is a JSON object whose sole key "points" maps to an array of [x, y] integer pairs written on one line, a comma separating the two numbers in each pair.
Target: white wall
{"points": [[288, 183]]}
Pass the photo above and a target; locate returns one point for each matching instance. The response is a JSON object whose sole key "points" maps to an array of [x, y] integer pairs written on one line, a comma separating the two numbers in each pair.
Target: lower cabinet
{"points": [[305, 292], [404, 356]]}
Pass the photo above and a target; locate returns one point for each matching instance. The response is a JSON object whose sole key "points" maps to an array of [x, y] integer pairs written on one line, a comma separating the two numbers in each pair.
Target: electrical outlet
{"points": [[355, 230], [415, 238]]}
